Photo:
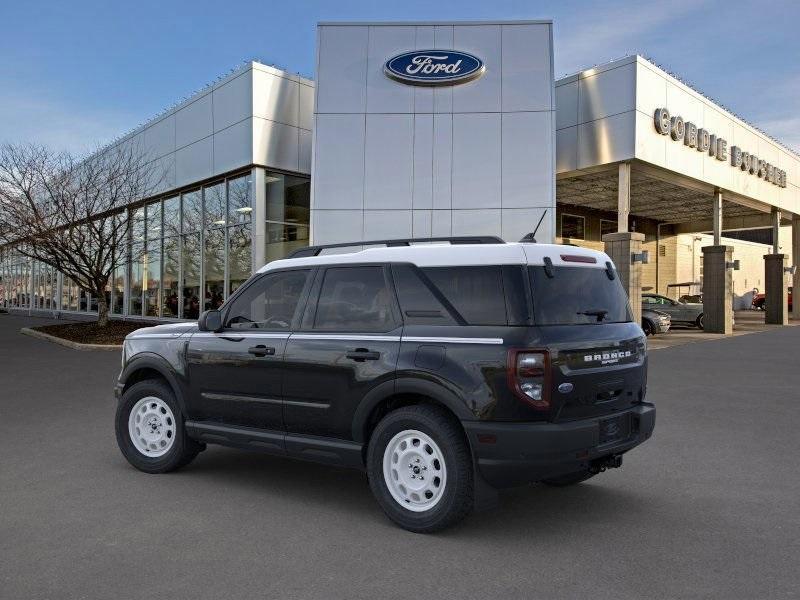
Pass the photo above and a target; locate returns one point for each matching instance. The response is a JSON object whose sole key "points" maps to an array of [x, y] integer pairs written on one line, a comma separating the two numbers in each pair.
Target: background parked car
{"points": [[760, 300], [684, 313], [655, 321]]}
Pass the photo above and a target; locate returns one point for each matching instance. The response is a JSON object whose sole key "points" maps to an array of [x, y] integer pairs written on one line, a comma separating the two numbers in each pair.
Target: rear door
{"points": [[236, 375], [597, 353], [348, 344]]}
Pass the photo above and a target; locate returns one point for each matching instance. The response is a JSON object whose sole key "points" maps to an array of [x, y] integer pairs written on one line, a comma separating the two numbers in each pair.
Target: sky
{"points": [[74, 75]]}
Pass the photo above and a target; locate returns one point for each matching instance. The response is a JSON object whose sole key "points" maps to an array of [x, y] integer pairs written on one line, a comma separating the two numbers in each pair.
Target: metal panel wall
{"points": [[393, 160]]}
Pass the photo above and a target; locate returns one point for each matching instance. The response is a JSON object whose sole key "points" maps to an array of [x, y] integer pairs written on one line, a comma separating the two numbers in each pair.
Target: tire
{"points": [[435, 442], [569, 479], [168, 446], [699, 321], [648, 328]]}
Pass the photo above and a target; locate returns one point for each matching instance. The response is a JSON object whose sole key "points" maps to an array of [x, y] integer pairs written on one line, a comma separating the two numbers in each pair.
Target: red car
{"points": [[759, 300]]}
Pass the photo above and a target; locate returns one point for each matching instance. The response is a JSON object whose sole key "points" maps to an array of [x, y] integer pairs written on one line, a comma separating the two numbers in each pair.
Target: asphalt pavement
{"points": [[708, 508]]}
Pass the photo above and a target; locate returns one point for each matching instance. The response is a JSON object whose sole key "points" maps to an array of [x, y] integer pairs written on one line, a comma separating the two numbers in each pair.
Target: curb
{"points": [[69, 344]]}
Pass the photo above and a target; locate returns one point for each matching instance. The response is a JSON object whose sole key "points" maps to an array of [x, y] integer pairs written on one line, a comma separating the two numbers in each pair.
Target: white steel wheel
{"points": [[151, 426], [414, 470]]}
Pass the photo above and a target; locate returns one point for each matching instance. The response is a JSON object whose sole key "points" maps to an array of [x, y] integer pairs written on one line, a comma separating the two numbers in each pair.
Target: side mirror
{"points": [[210, 320]]}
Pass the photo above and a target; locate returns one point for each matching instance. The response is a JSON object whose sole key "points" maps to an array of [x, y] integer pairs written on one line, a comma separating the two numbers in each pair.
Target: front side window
{"points": [[577, 296], [269, 303], [354, 299]]}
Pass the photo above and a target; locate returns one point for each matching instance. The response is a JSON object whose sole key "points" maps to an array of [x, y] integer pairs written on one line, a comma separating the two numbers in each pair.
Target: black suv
{"points": [[445, 371]]}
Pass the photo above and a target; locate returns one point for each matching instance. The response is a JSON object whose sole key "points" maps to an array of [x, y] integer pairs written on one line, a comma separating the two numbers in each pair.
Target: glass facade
{"points": [[187, 252]]}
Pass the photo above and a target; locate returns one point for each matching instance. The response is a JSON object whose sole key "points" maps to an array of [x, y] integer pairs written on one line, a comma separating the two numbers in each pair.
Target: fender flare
{"points": [[150, 360], [406, 385]]}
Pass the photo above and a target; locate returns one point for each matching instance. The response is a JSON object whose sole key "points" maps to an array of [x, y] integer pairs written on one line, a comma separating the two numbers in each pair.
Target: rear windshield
{"points": [[577, 296]]}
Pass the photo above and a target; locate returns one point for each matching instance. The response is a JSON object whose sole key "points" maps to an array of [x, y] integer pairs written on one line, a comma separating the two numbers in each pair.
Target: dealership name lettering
{"points": [[703, 141]]}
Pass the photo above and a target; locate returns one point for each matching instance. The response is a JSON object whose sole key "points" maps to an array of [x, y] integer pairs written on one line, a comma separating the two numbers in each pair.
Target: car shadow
{"points": [[547, 510]]}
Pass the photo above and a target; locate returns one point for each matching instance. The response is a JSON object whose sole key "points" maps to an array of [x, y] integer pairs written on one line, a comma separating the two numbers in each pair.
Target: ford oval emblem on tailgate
{"points": [[565, 388]]}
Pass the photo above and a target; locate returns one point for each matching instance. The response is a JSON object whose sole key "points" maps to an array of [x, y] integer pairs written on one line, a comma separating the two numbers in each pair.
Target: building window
{"points": [[191, 253], [170, 275], [573, 227], [240, 209], [192, 212], [288, 209], [607, 227], [239, 256]]}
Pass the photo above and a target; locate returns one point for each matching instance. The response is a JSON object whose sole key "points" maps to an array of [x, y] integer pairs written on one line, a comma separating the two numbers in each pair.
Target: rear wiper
{"points": [[600, 314]]}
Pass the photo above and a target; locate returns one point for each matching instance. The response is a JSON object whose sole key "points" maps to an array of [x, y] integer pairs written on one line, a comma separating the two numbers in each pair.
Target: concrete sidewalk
{"points": [[746, 322]]}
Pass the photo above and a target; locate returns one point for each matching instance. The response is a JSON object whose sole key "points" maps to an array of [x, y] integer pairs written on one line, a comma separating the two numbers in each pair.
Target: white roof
{"points": [[446, 255]]}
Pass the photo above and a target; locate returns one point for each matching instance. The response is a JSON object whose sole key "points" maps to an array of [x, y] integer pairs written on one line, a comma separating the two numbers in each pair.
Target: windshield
{"points": [[577, 296]]}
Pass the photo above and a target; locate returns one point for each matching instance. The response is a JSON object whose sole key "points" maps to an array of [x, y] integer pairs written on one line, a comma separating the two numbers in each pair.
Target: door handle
{"points": [[261, 350], [362, 354]]}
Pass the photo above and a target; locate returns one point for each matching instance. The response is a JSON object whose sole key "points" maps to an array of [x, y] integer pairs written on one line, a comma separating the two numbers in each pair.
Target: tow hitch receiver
{"points": [[599, 465]]}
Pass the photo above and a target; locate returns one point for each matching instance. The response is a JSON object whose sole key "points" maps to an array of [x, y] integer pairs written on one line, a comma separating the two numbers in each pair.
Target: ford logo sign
{"points": [[434, 67]]}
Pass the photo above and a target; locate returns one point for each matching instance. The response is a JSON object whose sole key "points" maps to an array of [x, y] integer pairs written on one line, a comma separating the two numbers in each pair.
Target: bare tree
{"points": [[70, 213]]}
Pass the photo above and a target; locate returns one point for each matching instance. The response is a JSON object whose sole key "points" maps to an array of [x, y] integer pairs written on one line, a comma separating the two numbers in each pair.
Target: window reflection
{"points": [[151, 269], [240, 208], [192, 211], [153, 220], [214, 293], [172, 216], [190, 254], [170, 276], [215, 205], [118, 288], [288, 209], [239, 256], [135, 286]]}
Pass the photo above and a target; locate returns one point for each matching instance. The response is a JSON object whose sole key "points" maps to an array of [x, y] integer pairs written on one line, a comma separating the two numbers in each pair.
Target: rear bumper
{"points": [[528, 452]]}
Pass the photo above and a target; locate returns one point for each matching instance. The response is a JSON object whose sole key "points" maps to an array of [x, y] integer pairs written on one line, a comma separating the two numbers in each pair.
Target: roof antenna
{"points": [[530, 238]]}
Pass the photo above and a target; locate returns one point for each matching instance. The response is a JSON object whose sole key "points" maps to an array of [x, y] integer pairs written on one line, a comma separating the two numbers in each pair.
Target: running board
{"points": [[313, 448]]}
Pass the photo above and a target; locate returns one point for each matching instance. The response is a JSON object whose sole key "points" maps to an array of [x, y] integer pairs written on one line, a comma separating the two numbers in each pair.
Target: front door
{"points": [[348, 344], [235, 375]]}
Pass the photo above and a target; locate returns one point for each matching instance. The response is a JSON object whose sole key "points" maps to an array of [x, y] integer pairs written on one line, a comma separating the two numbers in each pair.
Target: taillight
{"points": [[529, 376]]}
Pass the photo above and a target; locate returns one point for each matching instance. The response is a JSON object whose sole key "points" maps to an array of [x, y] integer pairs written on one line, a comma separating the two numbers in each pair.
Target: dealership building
{"points": [[421, 130]]}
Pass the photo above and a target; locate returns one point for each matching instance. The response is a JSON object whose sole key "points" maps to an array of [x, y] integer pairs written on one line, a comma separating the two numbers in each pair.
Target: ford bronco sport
{"points": [[444, 370]]}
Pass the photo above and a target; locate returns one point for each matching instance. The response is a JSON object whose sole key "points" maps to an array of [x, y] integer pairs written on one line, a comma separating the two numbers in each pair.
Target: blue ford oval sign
{"points": [[434, 67]]}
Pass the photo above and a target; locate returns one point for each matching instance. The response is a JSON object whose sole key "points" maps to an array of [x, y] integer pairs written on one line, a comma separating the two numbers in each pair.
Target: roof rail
{"points": [[466, 239]]}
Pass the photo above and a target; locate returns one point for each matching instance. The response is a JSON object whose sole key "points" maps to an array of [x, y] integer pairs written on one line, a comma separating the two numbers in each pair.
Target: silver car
{"points": [[682, 313], [655, 321]]}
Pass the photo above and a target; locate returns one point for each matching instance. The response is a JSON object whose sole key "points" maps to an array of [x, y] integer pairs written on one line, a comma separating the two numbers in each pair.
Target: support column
{"points": [[796, 262], [775, 221], [621, 247], [623, 197], [258, 197], [717, 288], [776, 289], [717, 217]]}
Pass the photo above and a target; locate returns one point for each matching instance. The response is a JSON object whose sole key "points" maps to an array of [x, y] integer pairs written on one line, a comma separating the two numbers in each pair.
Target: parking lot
{"points": [[710, 507]]}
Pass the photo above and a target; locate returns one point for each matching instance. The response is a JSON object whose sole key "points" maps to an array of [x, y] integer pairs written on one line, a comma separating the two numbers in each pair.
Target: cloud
{"points": [[33, 116], [786, 130], [610, 31]]}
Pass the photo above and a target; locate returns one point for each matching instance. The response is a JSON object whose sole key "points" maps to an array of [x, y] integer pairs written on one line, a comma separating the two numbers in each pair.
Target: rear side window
{"points": [[475, 292], [577, 296], [354, 299], [418, 300]]}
